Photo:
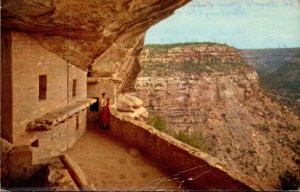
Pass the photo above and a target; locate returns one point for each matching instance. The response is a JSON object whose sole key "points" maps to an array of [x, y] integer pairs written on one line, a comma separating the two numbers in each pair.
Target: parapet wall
{"points": [[195, 167]]}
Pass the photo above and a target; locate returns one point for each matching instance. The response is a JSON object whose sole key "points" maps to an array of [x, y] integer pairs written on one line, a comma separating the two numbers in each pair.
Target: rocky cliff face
{"points": [[105, 36], [269, 60], [208, 88], [279, 71], [283, 85]]}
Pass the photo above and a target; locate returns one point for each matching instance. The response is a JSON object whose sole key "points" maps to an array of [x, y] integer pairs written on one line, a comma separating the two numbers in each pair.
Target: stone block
{"points": [[5, 149], [20, 164], [5, 146], [20, 155]]}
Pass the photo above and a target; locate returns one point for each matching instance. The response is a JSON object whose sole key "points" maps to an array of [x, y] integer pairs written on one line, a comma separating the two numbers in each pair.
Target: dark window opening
{"points": [[89, 72], [77, 122], [74, 88], [35, 143], [95, 106], [42, 87]]}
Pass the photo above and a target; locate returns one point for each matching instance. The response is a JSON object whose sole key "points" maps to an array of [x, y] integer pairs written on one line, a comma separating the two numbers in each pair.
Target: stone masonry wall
{"points": [[6, 86], [95, 90], [201, 170], [29, 60], [77, 74], [64, 135]]}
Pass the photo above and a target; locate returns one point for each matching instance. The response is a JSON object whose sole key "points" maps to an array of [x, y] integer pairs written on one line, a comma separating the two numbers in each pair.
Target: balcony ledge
{"points": [[47, 121]]}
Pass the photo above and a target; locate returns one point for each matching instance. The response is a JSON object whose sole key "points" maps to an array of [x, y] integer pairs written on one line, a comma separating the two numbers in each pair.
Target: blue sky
{"points": [[244, 24]]}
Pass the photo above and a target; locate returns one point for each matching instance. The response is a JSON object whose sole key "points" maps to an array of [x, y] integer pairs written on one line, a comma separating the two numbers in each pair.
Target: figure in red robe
{"points": [[106, 115]]}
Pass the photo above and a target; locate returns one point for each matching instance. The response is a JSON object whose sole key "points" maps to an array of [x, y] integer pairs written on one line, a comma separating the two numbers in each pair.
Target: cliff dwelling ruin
{"points": [[57, 58]]}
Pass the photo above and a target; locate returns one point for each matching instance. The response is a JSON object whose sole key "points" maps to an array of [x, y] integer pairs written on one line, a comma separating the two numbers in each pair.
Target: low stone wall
{"points": [[194, 167], [62, 136]]}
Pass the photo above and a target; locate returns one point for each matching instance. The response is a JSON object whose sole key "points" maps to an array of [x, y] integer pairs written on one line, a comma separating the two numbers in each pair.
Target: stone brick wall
{"points": [[204, 171], [64, 135], [6, 86], [95, 90], [75, 73], [29, 60]]}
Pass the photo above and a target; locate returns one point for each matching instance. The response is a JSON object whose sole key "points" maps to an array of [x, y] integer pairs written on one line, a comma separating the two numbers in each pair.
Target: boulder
{"points": [[140, 114], [128, 103], [136, 101], [124, 104]]}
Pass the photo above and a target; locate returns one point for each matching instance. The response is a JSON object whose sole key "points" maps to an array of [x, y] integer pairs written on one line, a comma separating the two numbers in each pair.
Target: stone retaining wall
{"points": [[197, 168]]}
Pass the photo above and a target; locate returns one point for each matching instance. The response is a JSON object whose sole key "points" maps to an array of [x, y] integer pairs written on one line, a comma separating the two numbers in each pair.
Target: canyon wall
{"points": [[220, 97], [279, 73], [266, 61]]}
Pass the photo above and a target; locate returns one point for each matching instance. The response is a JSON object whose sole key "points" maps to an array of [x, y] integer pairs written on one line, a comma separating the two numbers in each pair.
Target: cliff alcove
{"points": [[106, 36], [58, 56]]}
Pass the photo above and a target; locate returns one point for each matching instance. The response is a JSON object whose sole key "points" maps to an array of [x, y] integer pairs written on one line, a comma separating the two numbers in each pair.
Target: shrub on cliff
{"points": [[191, 67], [195, 139], [158, 122]]}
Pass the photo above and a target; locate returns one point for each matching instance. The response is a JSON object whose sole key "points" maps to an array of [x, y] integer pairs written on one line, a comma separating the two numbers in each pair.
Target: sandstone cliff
{"points": [[269, 60], [283, 85], [105, 36], [279, 72], [208, 88]]}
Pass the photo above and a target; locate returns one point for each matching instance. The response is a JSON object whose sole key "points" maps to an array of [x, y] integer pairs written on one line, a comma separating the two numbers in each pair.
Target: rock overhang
{"points": [[85, 32]]}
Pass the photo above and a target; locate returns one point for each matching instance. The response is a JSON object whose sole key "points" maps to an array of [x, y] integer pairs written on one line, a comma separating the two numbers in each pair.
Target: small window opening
{"points": [[95, 106], [42, 87], [35, 143], [77, 122], [74, 88], [89, 73]]}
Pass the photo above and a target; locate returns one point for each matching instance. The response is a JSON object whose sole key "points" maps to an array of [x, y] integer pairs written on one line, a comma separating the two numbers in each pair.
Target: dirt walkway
{"points": [[111, 165]]}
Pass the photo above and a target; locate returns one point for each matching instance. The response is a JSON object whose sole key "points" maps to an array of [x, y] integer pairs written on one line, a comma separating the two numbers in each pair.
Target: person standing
{"points": [[101, 108], [106, 115]]}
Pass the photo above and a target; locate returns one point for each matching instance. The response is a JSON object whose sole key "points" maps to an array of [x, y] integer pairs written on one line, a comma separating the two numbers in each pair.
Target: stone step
{"points": [[44, 156]]}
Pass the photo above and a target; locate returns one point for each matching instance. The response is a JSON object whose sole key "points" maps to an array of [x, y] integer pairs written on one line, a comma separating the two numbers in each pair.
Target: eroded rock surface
{"points": [[220, 97], [59, 179], [105, 36]]}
